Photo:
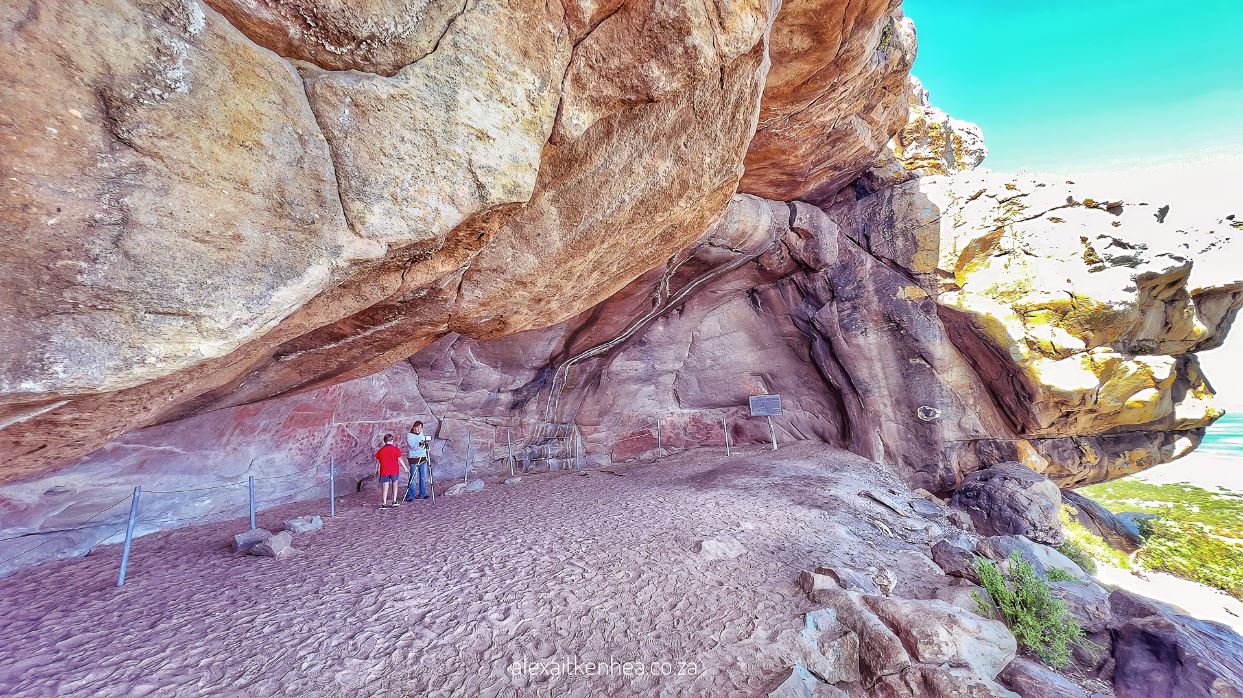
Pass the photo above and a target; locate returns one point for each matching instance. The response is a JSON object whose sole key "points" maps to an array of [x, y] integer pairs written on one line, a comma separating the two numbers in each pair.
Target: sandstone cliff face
{"points": [[847, 72], [919, 326], [233, 221], [215, 205]]}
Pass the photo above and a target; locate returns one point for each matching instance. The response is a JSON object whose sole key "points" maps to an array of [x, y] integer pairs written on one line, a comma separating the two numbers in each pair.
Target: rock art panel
{"points": [[220, 223]]}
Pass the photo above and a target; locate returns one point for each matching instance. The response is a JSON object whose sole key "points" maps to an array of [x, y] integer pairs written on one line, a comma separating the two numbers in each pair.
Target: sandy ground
{"points": [[459, 599], [1198, 600], [1202, 469]]}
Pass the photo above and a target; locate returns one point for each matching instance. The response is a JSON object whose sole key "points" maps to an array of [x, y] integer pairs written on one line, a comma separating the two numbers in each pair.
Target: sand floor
{"points": [[1198, 600], [460, 599]]}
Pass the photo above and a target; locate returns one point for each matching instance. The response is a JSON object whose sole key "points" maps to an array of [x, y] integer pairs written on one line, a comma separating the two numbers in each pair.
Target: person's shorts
{"points": [[390, 478]]}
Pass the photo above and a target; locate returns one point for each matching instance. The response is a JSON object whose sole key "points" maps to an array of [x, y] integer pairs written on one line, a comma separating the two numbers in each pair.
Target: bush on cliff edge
{"points": [[1041, 623]]}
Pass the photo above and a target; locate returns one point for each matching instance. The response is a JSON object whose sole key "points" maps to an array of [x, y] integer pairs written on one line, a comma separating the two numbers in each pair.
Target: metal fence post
{"points": [[129, 533], [509, 442], [725, 430], [252, 502], [470, 456], [431, 474], [332, 486], [659, 447], [772, 432]]}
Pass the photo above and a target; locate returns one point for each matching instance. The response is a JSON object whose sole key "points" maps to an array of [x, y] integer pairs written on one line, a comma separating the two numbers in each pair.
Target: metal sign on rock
{"points": [[765, 405]]}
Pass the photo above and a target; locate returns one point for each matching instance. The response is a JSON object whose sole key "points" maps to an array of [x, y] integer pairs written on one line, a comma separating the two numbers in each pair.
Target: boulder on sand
{"points": [[278, 545], [304, 524], [1012, 499], [243, 542], [464, 487], [723, 548]]}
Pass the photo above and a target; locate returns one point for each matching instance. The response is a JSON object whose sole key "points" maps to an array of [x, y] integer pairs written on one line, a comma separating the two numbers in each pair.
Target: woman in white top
{"points": [[417, 442]]}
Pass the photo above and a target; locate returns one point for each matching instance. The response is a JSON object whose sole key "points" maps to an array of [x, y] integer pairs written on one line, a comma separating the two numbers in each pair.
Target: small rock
{"points": [[885, 578], [961, 519], [719, 549], [1035, 680], [464, 487], [829, 650], [243, 542], [965, 597], [304, 524], [926, 508], [1087, 602], [955, 560], [513, 480], [1041, 557], [849, 579], [811, 581], [889, 499], [937, 633], [277, 545], [801, 684], [839, 656]]}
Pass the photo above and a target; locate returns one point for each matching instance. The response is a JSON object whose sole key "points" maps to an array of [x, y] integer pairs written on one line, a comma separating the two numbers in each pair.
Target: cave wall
{"points": [[249, 244], [215, 203]]}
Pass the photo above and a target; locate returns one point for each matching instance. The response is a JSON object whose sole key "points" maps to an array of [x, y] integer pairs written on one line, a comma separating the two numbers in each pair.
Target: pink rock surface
{"points": [[196, 470]]}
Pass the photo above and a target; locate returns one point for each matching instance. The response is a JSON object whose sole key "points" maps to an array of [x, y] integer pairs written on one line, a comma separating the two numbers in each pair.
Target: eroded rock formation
{"points": [[248, 239], [200, 222]]}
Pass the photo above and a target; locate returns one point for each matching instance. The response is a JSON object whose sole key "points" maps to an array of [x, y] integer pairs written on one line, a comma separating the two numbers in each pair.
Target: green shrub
{"points": [[1041, 623], [1078, 555], [1060, 575]]}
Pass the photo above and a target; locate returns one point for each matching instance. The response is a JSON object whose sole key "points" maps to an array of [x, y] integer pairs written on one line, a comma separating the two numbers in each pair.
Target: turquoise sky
{"points": [[1061, 86]]}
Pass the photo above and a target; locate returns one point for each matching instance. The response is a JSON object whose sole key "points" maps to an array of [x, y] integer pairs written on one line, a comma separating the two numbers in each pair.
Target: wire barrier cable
{"points": [[56, 535]]}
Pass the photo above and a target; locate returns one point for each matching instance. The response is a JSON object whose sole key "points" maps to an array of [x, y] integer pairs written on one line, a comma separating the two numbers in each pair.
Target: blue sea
{"points": [[1216, 464], [1225, 437]]}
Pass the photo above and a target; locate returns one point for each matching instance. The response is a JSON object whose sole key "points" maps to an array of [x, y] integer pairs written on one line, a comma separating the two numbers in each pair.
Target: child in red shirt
{"points": [[389, 471]]}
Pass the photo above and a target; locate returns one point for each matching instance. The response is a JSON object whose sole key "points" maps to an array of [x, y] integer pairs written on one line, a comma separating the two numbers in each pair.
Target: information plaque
{"points": [[765, 405]]}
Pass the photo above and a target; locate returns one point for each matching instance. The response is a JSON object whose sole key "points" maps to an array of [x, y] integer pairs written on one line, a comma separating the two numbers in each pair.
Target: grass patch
{"points": [[1041, 623], [1057, 574], [1199, 535], [1082, 543], [1074, 550]]}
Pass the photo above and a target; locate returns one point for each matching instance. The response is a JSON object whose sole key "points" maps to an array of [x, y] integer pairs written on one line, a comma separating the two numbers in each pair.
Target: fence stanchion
{"points": [[470, 456], [129, 534], [332, 487], [431, 475], [725, 430], [509, 442], [659, 447], [252, 502]]}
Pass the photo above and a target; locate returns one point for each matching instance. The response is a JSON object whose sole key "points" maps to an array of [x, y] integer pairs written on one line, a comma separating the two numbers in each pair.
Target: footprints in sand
{"points": [[446, 601]]}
